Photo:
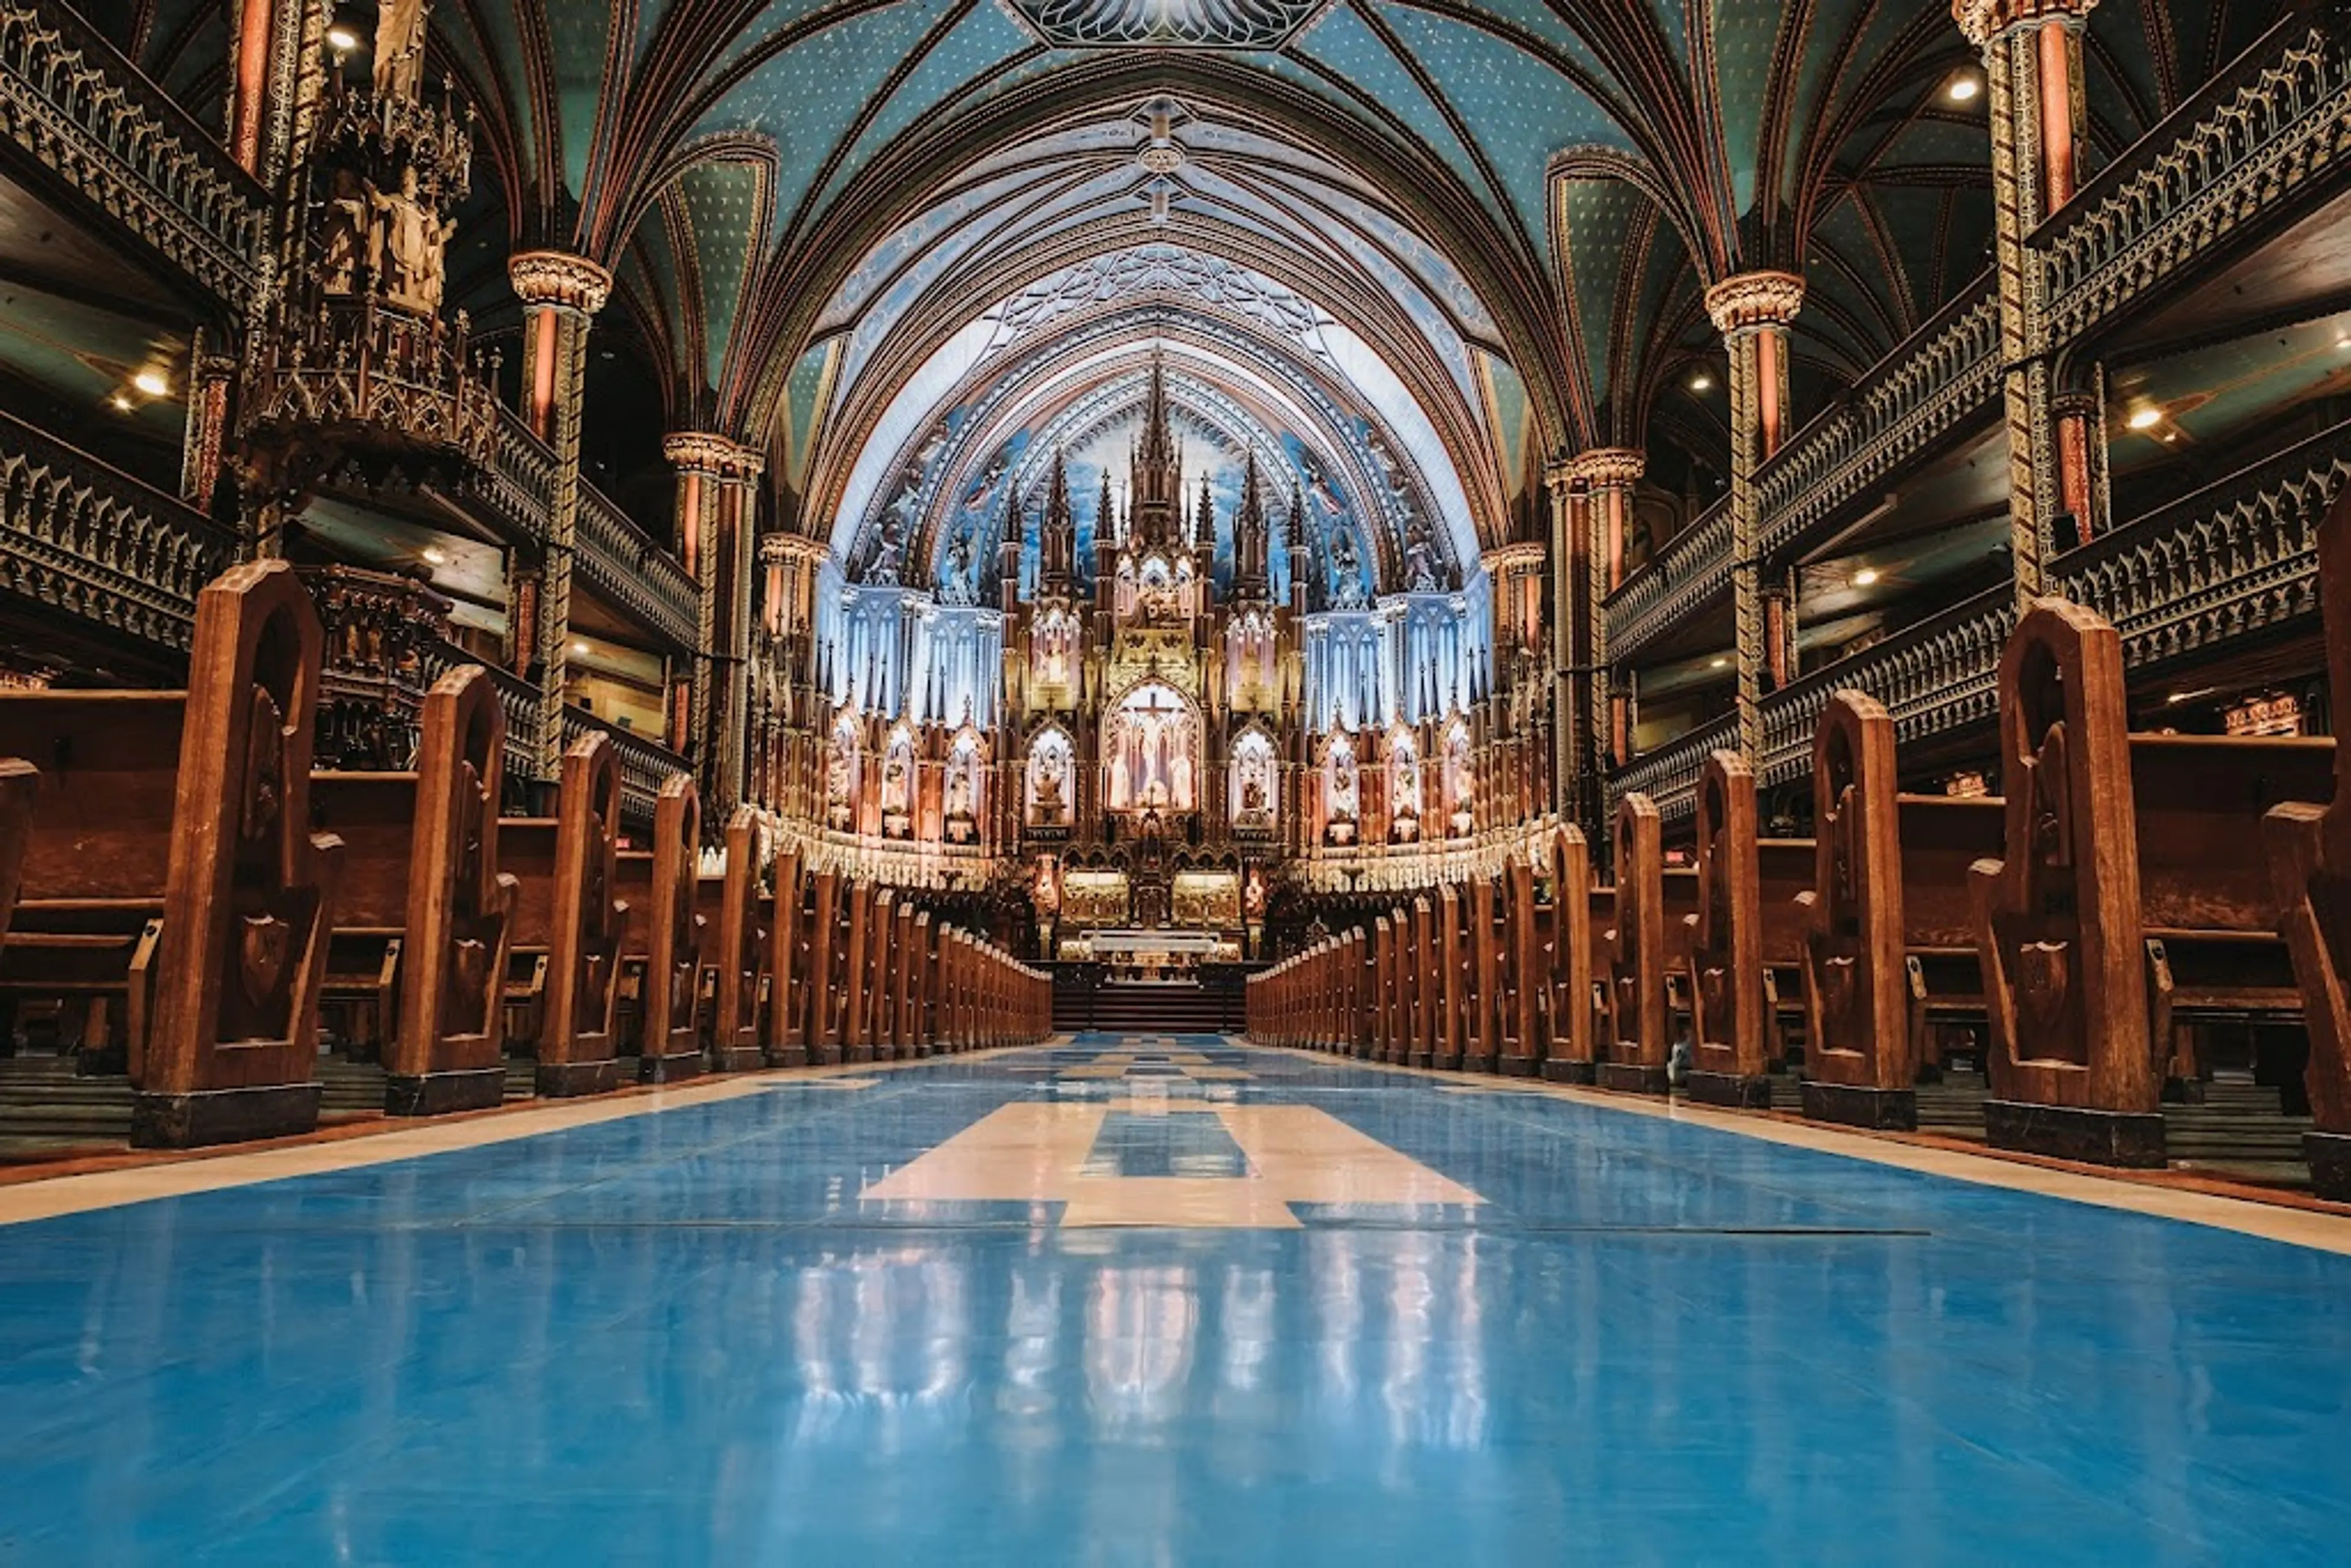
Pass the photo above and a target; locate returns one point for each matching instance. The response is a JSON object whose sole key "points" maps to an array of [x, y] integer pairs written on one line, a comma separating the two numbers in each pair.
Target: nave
{"points": [[1153, 1299]]}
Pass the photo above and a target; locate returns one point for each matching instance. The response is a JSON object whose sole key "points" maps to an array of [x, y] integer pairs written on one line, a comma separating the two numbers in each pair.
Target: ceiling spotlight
{"points": [[1718, 664], [342, 39], [1701, 383], [1963, 89], [2344, 342], [434, 555], [2147, 416], [122, 404], [579, 647], [2177, 698], [152, 384], [1865, 577]]}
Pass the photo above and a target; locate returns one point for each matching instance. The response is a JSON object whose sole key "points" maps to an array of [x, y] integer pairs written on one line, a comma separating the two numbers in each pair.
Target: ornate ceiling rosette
{"points": [[1160, 24]]}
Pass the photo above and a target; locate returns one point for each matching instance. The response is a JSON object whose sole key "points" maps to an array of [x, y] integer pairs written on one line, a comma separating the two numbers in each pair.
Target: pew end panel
{"points": [[579, 1047], [1724, 938]]}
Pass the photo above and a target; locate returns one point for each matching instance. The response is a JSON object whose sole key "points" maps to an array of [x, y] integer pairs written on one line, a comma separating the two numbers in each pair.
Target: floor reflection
{"points": [[798, 1327]]}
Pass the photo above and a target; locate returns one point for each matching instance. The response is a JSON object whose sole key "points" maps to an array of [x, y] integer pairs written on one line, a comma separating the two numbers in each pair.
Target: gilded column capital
{"points": [[558, 278], [1754, 299], [1521, 555], [1608, 466], [1983, 20], [777, 548], [704, 453]]}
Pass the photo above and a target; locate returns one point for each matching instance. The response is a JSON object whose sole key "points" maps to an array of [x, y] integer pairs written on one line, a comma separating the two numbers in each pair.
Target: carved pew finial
{"points": [[1638, 1012], [576, 1052], [1726, 938]]}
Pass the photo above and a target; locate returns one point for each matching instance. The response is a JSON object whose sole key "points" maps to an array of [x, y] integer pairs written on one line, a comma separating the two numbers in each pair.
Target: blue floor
{"points": [[680, 1338]]}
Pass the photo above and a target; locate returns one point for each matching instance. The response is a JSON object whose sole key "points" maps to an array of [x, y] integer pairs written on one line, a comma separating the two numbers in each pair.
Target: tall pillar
{"points": [[560, 294], [1752, 312], [717, 508], [2033, 70], [276, 63], [1592, 497]]}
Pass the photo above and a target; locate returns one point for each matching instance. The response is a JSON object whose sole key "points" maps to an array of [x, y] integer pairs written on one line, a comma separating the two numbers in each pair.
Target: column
{"points": [[1516, 573], [1593, 494], [277, 50], [2033, 71], [1752, 312], [560, 294], [716, 507]]}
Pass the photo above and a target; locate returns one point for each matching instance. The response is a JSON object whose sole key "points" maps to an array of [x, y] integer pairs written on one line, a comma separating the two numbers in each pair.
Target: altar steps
{"points": [[1169, 1009]]}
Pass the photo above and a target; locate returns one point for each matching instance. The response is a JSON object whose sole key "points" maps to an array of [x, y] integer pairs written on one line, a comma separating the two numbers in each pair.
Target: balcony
{"points": [[98, 545], [108, 133], [516, 696], [2234, 559], [629, 570], [1691, 569], [2267, 138], [1668, 774]]}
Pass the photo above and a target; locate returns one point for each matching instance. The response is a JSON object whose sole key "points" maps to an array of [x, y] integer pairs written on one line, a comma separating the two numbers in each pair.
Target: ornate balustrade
{"points": [[91, 540], [2268, 133], [1944, 374], [517, 487], [1668, 774], [381, 631], [71, 101], [928, 867], [628, 568], [518, 697], [1938, 675], [2234, 558], [1408, 868], [645, 766], [1693, 568]]}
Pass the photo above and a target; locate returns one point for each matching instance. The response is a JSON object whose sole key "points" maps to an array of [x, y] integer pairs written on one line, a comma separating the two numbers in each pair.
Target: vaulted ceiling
{"points": [[1518, 202]]}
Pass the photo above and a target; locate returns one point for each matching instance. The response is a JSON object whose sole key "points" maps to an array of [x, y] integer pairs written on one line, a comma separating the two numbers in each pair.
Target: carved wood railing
{"points": [[74, 103], [89, 539], [1942, 375], [1693, 568], [2266, 136], [1405, 868], [629, 569], [645, 766], [517, 486], [1938, 675], [2234, 558], [1667, 774], [381, 631]]}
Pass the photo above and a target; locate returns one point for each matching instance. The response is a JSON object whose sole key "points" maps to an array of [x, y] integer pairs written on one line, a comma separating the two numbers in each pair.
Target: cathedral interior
{"points": [[1552, 618]]}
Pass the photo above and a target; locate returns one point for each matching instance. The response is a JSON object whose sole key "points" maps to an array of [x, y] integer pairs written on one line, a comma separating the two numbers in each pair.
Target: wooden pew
{"points": [[662, 937], [2124, 899], [788, 1035], [1583, 918], [1384, 999], [1861, 1047], [423, 907], [1724, 937], [1482, 1025], [1941, 838], [1525, 962], [20, 783], [578, 1045], [2308, 847], [169, 870], [1648, 941], [743, 952]]}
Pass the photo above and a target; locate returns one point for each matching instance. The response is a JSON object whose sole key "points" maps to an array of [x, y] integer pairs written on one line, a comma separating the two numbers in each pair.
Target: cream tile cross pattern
{"points": [[1037, 1153]]}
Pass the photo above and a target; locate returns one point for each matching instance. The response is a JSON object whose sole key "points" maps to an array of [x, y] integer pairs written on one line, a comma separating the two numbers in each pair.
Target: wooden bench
{"points": [[169, 870], [578, 1042], [1583, 916], [424, 908], [2123, 871], [2308, 849], [661, 942], [20, 783], [1648, 940], [787, 1040], [740, 960], [1742, 923]]}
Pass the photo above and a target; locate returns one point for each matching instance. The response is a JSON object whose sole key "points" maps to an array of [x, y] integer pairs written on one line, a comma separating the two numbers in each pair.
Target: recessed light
{"points": [[2177, 698], [579, 647], [434, 555], [122, 404], [342, 41], [152, 384], [1701, 383], [1718, 664], [2145, 417], [1963, 89], [1865, 577]]}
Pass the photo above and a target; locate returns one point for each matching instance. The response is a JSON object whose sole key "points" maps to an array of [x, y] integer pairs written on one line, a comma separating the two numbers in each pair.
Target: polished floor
{"points": [[1152, 1301]]}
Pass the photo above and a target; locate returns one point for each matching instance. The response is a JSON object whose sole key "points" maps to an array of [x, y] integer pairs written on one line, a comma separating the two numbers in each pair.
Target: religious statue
{"points": [[1420, 561], [411, 239], [349, 230], [1346, 570], [1049, 776], [889, 552], [1253, 896], [1047, 894], [400, 48], [840, 774]]}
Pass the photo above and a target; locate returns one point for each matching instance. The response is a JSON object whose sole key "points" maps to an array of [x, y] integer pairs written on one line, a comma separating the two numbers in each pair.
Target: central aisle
{"points": [[1155, 1299]]}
